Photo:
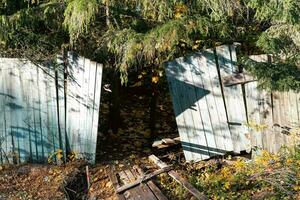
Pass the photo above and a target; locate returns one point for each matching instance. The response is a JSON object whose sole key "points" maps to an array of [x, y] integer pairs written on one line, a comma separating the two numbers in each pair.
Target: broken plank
{"points": [[156, 191], [142, 179], [144, 187], [178, 178], [129, 194], [115, 183], [139, 193]]}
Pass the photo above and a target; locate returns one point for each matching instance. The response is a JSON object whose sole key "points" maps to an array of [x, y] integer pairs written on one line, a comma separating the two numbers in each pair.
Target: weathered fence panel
{"points": [[28, 112], [276, 112], [35, 119], [83, 102], [219, 109], [199, 105]]}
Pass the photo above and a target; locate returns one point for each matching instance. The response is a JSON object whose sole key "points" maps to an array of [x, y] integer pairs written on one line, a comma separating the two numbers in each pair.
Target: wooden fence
{"points": [[212, 118], [38, 119]]}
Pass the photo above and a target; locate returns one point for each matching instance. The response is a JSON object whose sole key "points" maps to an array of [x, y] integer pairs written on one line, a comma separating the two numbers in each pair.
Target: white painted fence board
{"points": [[175, 81], [186, 91], [96, 107], [199, 62], [217, 144], [198, 140]]}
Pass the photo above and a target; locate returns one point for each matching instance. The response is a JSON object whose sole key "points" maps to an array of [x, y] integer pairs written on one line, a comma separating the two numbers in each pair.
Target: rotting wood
{"points": [[144, 190], [115, 183], [137, 192], [142, 179], [178, 178], [156, 191], [148, 194]]}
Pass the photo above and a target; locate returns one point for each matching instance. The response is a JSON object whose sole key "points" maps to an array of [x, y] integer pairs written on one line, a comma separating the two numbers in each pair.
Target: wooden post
{"points": [[178, 178]]}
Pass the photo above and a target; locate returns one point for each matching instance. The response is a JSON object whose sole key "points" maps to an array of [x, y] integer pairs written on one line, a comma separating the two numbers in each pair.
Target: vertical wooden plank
{"points": [[219, 121], [175, 81], [286, 125], [276, 122], [75, 78], [27, 114], [52, 118], [234, 101], [35, 114], [5, 140], [12, 113], [84, 109], [204, 96], [263, 106], [42, 106], [196, 93], [293, 109], [98, 69], [298, 107], [89, 99], [61, 98], [17, 110], [253, 113], [83, 103], [187, 102]]}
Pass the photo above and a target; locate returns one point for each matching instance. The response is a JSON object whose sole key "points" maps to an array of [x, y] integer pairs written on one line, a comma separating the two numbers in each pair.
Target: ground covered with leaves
{"points": [[266, 176]]}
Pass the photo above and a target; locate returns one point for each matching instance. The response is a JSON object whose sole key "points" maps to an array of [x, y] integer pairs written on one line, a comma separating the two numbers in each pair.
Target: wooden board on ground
{"points": [[178, 178], [134, 184]]}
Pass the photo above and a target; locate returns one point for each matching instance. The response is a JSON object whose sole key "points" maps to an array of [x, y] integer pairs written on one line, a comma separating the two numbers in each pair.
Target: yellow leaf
{"points": [[155, 79], [227, 185], [196, 46], [178, 15]]}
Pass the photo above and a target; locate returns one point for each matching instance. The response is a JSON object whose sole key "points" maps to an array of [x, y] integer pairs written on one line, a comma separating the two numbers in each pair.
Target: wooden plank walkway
{"points": [[145, 190]]}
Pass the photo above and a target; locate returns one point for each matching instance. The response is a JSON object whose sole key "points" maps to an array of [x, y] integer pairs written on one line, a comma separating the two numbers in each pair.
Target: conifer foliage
{"points": [[136, 34]]}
